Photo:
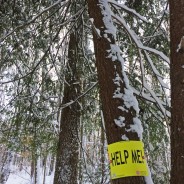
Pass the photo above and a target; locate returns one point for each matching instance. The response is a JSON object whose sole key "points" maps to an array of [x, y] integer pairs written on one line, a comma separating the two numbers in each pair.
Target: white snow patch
{"points": [[136, 127], [117, 80], [113, 52], [98, 31], [105, 36], [119, 121], [23, 177], [124, 137], [181, 44], [106, 11], [118, 94], [130, 100], [92, 20], [122, 108]]}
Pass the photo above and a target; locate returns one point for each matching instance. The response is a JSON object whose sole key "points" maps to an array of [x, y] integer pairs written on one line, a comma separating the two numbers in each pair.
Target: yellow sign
{"points": [[127, 159]]}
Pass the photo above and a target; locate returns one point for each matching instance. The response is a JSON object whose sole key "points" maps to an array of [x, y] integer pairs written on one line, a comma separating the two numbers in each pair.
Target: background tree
{"points": [[34, 53], [177, 88], [68, 148]]}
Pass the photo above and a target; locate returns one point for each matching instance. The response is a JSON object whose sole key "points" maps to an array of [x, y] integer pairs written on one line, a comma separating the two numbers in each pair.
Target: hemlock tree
{"points": [[119, 105], [68, 147], [177, 90]]}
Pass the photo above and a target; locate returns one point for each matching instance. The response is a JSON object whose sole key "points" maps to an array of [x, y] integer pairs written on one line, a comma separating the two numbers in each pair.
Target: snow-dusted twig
{"points": [[80, 96], [34, 18], [146, 86], [163, 85], [137, 41], [127, 9], [156, 72], [139, 45], [147, 96]]}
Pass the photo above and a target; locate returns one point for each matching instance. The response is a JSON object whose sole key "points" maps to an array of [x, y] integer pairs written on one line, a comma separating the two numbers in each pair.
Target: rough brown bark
{"points": [[107, 70], [67, 156], [177, 91]]}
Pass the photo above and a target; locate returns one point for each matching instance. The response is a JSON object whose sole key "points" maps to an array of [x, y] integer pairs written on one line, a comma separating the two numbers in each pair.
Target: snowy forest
{"points": [[79, 75]]}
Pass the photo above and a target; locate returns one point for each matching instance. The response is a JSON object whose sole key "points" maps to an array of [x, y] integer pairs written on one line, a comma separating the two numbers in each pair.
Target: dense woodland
{"points": [[77, 75]]}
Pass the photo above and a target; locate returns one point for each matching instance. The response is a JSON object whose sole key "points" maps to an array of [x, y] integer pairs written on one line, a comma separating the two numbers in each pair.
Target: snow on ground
{"points": [[19, 178], [23, 177]]}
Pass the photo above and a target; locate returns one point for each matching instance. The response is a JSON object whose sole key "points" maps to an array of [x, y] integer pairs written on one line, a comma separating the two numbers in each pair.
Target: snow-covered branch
{"points": [[136, 39], [127, 9], [34, 18]]}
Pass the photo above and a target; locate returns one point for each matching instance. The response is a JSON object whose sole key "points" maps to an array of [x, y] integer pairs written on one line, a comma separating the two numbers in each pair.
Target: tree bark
{"points": [[109, 69], [68, 149], [177, 91]]}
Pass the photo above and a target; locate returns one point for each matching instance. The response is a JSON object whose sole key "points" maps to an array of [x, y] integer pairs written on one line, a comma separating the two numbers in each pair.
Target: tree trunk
{"points": [[102, 154], [81, 151], [67, 156], [5, 166], [44, 168], [119, 113], [177, 91]]}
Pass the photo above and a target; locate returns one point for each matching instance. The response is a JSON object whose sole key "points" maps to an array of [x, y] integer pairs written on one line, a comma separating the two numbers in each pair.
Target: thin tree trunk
{"points": [[102, 154], [68, 148], [51, 164], [44, 168], [32, 169], [35, 171], [5, 166], [112, 81], [177, 91], [81, 151]]}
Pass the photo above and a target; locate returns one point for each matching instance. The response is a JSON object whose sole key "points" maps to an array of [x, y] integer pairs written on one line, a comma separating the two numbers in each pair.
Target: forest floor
{"points": [[23, 177]]}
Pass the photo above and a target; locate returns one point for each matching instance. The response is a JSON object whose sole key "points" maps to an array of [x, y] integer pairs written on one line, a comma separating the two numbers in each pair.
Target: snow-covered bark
{"points": [[120, 107]]}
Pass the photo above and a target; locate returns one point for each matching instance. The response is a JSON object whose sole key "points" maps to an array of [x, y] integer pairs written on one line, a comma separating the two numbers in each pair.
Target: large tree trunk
{"points": [[177, 91], [118, 102], [67, 156]]}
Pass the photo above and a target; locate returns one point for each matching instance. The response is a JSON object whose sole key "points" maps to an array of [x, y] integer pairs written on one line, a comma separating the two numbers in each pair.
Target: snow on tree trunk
{"points": [[119, 105], [67, 156], [177, 91]]}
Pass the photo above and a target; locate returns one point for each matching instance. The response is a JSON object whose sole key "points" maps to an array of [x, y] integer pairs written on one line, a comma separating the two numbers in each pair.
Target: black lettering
{"points": [[134, 156], [126, 155], [138, 156], [113, 158], [117, 158], [121, 159]]}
